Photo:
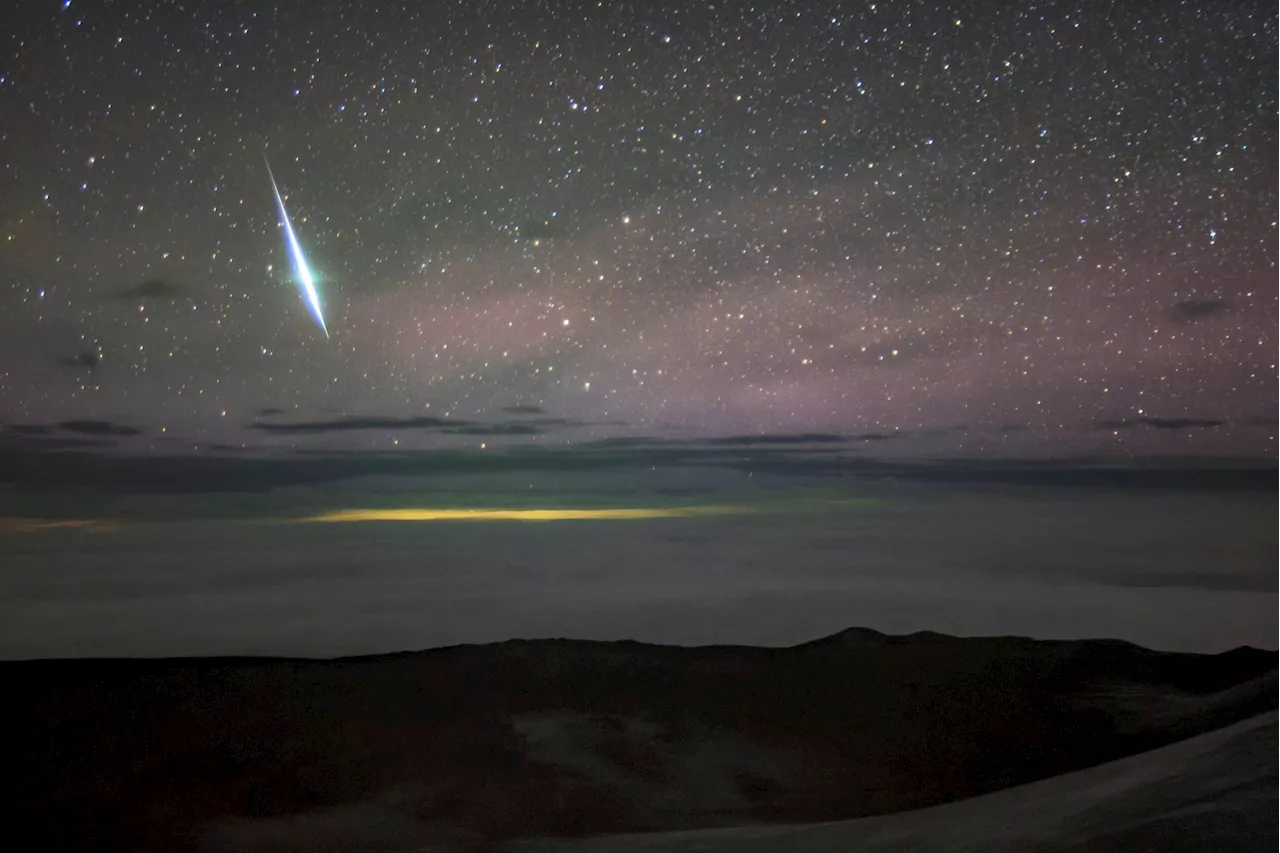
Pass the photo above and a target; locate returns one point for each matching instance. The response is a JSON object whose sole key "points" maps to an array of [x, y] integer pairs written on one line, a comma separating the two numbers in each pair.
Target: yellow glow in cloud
{"points": [[407, 514]]}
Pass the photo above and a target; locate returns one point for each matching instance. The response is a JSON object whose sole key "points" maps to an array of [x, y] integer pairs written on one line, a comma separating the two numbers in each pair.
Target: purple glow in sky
{"points": [[648, 218]]}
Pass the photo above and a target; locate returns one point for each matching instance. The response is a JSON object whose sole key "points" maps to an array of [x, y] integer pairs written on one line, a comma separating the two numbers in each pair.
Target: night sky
{"points": [[647, 218]]}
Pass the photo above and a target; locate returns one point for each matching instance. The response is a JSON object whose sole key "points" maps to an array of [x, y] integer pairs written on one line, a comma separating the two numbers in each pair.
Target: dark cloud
{"points": [[1160, 423], [1244, 581], [1182, 423], [269, 411], [26, 429], [784, 438], [495, 429], [449, 426], [88, 427], [78, 464], [769, 440], [1189, 310], [50, 461], [33, 446], [625, 441], [524, 410], [84, 359], [153, 288], [36, 437], [351, 424]]}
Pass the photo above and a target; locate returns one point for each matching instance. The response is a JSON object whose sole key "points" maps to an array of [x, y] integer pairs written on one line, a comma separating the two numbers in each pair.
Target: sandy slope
{"points": [[1214, 792]]}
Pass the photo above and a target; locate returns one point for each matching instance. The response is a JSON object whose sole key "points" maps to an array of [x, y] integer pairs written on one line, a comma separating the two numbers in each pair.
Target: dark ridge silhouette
{"points": [[561, 737]]}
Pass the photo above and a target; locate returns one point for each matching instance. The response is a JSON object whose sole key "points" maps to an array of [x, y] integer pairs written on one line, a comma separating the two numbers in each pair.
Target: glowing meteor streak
{"points": [[299, 262]]}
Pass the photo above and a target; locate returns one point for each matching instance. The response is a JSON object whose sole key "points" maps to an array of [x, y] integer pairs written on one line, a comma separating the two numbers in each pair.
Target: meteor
{"points": [[300, 267]]}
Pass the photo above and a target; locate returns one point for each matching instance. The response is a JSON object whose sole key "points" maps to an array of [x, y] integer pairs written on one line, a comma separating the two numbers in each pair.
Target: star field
{"points": [[638, 217]]}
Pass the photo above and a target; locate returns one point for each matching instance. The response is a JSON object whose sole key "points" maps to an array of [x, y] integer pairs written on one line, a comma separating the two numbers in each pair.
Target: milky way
{"points": [[1054, 220]]}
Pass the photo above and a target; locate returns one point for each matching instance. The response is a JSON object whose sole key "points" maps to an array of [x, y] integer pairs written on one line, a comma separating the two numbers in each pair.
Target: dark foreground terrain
{"points": [[471, 747], [1216, 791]]}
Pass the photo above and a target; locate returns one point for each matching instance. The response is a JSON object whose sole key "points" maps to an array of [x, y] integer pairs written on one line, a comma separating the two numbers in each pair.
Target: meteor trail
{"points": [[299, 262]]}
